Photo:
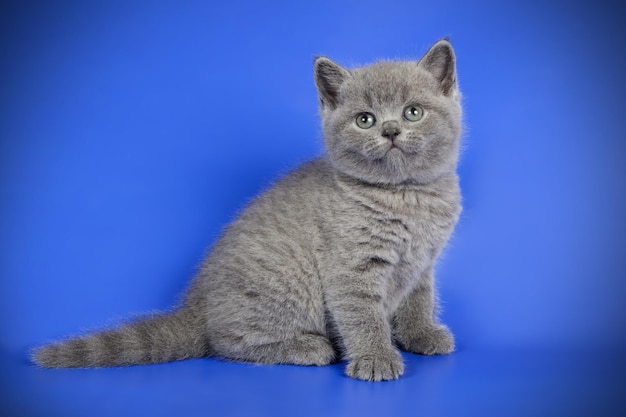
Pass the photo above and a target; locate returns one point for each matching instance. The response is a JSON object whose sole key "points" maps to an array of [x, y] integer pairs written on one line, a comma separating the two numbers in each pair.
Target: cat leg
{"points": [[303, 349], [415, 327], [366, 336], [358, 315]]}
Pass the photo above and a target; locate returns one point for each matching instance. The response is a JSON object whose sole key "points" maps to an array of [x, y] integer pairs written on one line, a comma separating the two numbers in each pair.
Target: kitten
{"points": [[336, 260]]}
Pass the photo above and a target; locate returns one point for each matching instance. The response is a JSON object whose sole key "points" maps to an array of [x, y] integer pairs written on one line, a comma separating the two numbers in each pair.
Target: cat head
{"points": [[392, 122]]}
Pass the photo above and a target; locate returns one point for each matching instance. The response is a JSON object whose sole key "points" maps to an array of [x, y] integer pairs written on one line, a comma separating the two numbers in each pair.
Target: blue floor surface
{"points": [[466, 383]]}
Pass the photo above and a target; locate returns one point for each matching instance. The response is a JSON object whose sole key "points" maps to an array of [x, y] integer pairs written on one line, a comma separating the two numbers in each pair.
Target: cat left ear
{"points": [[441, 63], [328, 78]]}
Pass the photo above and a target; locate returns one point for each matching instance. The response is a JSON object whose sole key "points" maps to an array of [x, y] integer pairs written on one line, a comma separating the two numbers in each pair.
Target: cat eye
{"points": [[365, 120], [413, 112]]}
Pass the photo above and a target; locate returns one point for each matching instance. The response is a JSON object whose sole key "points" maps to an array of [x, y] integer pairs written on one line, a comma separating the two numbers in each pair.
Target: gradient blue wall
{"points": [[131, 133]]}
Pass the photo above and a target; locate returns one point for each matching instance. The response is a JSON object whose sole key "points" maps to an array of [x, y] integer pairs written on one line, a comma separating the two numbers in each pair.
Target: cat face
{"points": [[392, 122]]}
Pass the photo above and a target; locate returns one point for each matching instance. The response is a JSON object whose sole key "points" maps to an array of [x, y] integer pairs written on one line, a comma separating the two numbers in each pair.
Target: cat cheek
{"points": [[342, 145], [412, 141], [373, 147]]}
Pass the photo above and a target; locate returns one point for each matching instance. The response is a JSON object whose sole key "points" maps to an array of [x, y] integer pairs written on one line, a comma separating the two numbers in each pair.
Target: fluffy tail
{"points": [[155, 339]]}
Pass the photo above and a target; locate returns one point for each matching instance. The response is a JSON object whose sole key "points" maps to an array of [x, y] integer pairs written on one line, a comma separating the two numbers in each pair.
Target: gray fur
{"points": [[336, 260]]}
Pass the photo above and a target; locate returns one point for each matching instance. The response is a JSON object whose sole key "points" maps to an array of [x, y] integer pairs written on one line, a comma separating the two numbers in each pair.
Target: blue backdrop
{"points": [[132, 132]]}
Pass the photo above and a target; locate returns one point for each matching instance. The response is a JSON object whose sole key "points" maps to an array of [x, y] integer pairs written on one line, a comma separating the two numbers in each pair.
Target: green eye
{"points": [[365, 120], [413, 112]]}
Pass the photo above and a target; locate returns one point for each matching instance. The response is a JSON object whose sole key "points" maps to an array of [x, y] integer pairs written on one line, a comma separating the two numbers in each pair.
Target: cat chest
{"points": [[418, 233], [430, 228]]}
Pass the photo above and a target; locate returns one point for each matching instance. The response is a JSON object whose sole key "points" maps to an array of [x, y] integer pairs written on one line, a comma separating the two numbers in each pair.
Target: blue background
{"points": [[131, 133]]}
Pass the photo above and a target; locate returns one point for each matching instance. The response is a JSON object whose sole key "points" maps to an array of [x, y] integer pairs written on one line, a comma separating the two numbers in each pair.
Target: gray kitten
{"points": [[335, 260]]}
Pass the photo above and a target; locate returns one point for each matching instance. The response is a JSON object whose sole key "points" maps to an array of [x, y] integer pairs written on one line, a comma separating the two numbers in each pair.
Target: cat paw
{"points": [[435, 340], [376, 367]]}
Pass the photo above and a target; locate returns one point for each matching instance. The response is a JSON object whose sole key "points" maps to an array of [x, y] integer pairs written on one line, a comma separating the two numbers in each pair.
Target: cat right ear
{"points": [[328, 78]]}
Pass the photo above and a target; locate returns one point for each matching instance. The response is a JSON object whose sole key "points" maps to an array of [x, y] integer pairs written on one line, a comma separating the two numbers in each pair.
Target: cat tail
{"points": [[153, 339]]}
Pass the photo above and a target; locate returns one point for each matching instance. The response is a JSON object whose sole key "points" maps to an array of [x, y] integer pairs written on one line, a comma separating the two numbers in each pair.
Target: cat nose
{"points": [[391, 129]]}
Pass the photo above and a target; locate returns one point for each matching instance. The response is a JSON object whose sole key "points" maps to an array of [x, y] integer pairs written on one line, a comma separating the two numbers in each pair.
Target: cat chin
{"points": [[400, 152], [396, 160], [394, 167], [389, 170], [384, 154]]}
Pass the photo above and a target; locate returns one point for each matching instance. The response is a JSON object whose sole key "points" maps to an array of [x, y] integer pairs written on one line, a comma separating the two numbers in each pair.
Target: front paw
{"points": [[376, 367], [435, 340]]}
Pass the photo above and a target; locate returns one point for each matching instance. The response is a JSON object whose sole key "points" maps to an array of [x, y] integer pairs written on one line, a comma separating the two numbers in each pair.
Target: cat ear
{"points": [[328, 78], [441, 63]]}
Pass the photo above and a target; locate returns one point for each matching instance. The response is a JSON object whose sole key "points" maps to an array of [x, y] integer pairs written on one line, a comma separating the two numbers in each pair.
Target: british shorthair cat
{"points": [[335, 261]]}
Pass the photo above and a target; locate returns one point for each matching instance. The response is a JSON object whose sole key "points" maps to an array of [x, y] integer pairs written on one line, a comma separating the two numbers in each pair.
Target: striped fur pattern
{"points": [[152, 339], [336, 260]]}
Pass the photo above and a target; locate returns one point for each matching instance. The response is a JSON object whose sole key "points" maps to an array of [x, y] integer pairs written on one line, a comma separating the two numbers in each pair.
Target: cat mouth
{"points": [[403, 148], [395, 149], [393, 153], [392, 150]]}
